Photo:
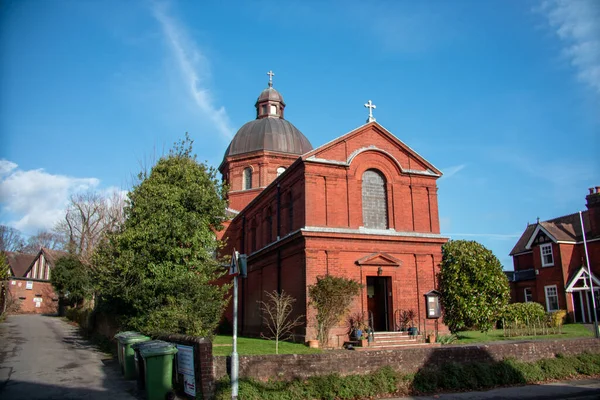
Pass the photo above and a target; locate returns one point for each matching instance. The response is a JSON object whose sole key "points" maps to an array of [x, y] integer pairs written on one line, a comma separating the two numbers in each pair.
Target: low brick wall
{"points": [[344, 362]]}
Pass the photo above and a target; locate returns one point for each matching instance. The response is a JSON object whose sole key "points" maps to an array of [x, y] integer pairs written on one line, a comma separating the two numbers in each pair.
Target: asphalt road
{"points": [[43, 357]]}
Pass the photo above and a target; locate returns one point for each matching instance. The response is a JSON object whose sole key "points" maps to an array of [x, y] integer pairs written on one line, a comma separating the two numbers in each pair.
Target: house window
{"points": [[374, 200], [280, 170], [247, 178], [528, 295], [551, 298], [546, 252]]}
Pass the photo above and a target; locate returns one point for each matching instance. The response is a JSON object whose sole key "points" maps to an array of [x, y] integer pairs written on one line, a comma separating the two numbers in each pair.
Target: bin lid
{"points": [[133, 339], [149, 343], [126, 333], [162, 350]]}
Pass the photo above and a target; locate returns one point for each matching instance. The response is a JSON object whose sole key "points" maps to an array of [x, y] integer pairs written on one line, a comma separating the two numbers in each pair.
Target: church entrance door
{"points": [[379, 298]]}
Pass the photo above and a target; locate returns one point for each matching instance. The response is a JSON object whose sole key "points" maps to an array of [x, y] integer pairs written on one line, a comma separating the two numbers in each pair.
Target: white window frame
{"points": [[546, 246], [530, 295], [547, 297]]}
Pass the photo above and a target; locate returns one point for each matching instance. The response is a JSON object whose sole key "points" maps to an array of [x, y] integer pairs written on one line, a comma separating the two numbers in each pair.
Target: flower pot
{"points": [[313, 344], [363, 343], [413, 331], [431, 338]]}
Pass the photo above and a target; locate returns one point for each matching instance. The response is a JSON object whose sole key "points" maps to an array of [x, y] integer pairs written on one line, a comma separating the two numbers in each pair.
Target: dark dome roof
{"points": [[270, 94], [271, 134]]}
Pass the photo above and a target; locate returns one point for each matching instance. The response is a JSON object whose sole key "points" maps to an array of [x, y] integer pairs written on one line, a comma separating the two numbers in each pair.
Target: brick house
{"points": [[363, 206], [29, 284], [550, 265]]}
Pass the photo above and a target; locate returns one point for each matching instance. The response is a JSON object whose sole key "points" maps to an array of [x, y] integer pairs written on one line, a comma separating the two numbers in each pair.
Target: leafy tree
{"points": [[276, 316], [474, 290], [71, 280], [157, 271], [331, 297]]}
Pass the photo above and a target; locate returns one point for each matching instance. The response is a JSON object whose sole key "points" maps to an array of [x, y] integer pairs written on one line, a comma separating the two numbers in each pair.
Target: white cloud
{"points": [[450, 171], [577, 23], [193, 67], [33, 200], [6, 166]]}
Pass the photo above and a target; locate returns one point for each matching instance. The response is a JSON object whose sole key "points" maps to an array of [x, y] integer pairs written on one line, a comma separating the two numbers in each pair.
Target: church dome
{"points": [[270, 94], [272, 134], [269, 131]]}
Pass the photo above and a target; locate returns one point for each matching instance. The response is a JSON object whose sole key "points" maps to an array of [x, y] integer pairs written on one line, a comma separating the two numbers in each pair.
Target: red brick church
{"points": [[363, 206]]}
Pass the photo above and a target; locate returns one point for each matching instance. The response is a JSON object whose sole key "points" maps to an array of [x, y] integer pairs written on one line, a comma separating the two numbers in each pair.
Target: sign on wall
{"points": [[29, 285], [185, 366]]}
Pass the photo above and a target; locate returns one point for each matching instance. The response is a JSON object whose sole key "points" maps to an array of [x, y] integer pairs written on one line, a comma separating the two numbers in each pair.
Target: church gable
{"points": [[379, 259], [372, 137]]}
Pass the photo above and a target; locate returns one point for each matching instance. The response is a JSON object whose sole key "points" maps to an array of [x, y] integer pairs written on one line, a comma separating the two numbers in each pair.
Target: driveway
{"points": [[43, 357]]}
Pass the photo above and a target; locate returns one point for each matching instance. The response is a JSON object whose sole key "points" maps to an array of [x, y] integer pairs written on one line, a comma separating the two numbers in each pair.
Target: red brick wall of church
{"points": [[410, 281]]}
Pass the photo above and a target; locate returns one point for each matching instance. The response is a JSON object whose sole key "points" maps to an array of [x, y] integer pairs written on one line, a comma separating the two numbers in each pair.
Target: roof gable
{"points": [[19, 263], [565, 229], [372, 137], [379, 259], [51, 256], [579, 281]]}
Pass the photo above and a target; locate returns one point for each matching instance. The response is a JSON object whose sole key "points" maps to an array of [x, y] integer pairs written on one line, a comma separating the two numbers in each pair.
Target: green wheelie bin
{"points": [[140, 371], [158, 363], [127, 355], [119, 347]]}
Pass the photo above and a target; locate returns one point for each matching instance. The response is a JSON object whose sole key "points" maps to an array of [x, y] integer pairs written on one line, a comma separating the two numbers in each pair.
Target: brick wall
{"points": [[203, 364], [343, 362], [40, 290]]}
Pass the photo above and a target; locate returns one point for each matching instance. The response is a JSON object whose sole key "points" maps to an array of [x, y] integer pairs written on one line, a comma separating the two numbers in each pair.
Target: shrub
{"points": [[524, 313], [557, 318], [331, 297]]}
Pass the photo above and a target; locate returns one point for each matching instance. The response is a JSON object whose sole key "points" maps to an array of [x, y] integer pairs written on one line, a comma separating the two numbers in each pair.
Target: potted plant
{"points": [[412, 330], [431, 337]]}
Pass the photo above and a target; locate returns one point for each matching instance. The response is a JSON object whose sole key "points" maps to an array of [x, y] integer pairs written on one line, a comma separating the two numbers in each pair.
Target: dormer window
{"points": [[546, 253]]}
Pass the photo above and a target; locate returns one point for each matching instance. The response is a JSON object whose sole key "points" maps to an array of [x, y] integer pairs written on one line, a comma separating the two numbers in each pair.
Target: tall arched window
{"points": [[247, 178], [374, 200], [280, 170]]}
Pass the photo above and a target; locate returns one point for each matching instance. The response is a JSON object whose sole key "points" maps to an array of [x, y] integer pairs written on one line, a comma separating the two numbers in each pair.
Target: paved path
{"points": [[43, 357], [587, 389]]}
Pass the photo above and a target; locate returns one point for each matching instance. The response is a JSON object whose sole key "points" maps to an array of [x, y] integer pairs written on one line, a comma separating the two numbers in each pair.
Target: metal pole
{"points": [[234, 355], [587, 261]]}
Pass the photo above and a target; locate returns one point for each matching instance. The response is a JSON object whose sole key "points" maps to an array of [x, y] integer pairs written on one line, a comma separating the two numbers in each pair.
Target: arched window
{"points": [[374, 200], [280, 170], [247, 178]]}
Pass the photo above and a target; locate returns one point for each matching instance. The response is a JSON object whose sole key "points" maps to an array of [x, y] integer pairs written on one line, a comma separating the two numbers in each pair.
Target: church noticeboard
{"points": [[185, 366]]}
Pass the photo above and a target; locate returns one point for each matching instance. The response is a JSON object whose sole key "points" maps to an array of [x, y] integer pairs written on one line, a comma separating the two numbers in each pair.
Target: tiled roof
{"points": [[19, 262], [565, 229]]}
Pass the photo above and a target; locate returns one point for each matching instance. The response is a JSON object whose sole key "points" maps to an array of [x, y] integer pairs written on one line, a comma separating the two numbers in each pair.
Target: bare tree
{"points": [[276, 315], [46, 239], [11, 239], [88, 217]]}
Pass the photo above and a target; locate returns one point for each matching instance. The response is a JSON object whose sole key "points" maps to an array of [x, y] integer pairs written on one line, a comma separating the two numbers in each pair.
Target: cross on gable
{"points": [[370, 106], [271, 75]]}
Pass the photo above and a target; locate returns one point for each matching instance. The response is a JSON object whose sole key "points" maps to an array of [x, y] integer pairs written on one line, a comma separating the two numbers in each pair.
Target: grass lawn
{"points": [[569, 331], [222, 346]]}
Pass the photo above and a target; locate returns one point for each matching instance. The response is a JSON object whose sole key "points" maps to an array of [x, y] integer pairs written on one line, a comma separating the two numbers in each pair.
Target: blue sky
{"points": [[503, 96]]}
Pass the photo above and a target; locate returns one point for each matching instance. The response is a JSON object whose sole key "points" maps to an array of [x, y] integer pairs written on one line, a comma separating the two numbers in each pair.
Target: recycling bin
{"points": [[158, 363], [127, 355], [119, 349], [140, 371]]}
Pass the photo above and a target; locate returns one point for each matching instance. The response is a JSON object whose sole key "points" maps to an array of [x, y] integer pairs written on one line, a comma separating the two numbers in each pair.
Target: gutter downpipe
{"points": [[587, 261]]}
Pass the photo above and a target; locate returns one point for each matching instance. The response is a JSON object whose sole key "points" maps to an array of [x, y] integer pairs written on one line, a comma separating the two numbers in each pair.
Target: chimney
{"points": [[593, 206]]}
